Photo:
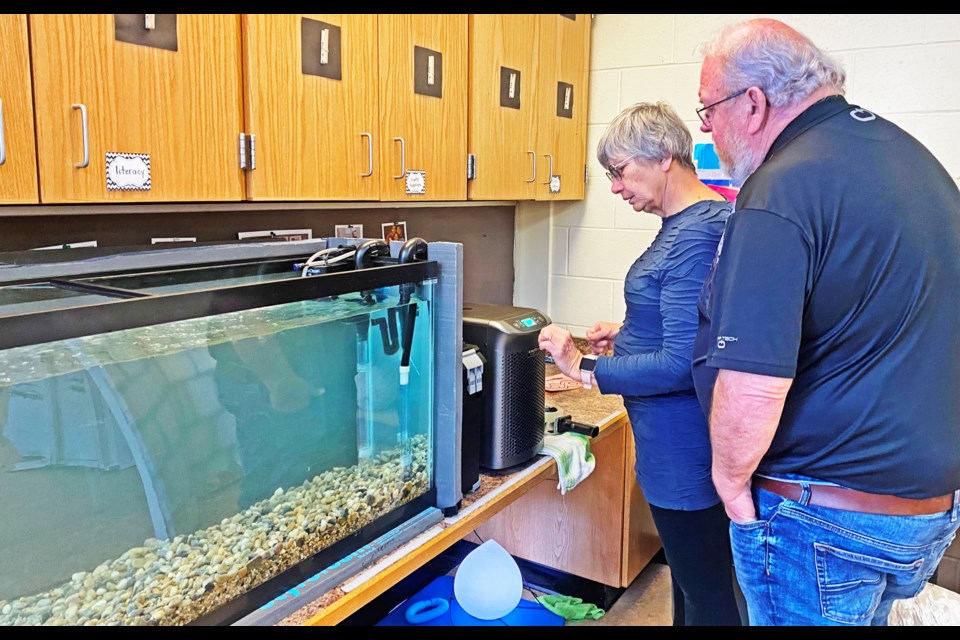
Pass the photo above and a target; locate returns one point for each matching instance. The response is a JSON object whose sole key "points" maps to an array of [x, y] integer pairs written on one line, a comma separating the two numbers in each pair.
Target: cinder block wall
{"points": [[904, 67]]}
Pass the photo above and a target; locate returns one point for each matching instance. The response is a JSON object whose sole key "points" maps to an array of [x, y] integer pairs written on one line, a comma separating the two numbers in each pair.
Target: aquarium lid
{"points": [[83, 261]]}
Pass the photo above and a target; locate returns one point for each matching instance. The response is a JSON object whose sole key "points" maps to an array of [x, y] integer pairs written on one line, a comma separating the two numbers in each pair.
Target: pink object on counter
{"points": [[730, 193]]}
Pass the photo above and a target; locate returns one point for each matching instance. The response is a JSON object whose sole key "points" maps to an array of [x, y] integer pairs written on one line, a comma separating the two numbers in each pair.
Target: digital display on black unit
{"points": [[527, 322]]}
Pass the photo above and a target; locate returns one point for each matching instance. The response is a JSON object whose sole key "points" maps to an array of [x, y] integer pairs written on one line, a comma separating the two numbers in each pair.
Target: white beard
{"points": [[738, 161]]}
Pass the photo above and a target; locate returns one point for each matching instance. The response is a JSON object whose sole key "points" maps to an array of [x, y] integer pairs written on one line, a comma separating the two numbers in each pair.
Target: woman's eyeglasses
{"points": [[615, 172]]}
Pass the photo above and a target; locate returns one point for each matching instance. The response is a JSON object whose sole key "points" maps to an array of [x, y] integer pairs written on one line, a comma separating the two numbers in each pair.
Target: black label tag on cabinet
{"points": [[427, 72], [570, 16], [147, 29], [509, 88], [320, 49], [564, 100]]}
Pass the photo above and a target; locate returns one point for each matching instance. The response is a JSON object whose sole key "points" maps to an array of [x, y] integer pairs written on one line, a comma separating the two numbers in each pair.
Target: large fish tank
{"points": [[180, 444]]}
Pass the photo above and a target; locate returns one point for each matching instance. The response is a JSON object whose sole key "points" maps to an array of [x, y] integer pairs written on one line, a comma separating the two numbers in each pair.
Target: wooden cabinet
{"points": [[601, 530], [502, 115], [423, 105], [388, 100], [311, 107], [562, 111], [97, 95], [311, 101], [640, 538], [522, 141], [18, 159]]}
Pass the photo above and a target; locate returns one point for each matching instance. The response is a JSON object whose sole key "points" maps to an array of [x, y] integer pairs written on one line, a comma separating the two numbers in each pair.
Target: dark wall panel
{"points": [[487, 233]]}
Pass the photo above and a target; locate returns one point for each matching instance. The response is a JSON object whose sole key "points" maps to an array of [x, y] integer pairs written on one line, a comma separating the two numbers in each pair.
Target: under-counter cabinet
{"points": [[18, 160], [137, 107], [423, 106], [601, 530], [311, 106]]}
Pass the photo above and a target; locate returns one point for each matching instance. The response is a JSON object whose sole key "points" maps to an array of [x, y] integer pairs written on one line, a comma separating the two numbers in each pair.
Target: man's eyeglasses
{"points": [[705, 117], [615, 172]]}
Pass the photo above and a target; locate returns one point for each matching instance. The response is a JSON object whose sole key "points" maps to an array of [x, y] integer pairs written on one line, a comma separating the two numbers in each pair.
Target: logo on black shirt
{"points": [[723, 340]]}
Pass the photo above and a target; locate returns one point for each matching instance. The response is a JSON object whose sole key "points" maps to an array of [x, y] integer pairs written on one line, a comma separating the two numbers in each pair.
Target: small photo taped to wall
{"points": [[394, 231], [348, 230]]}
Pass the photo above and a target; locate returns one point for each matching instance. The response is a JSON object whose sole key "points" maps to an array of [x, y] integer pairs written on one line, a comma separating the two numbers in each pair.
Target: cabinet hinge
{"points": [[248, 151], [586, 172], [471, 166]]}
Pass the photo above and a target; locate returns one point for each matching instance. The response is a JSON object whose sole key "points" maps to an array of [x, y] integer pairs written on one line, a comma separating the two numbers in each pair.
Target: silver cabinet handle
{"points": [[403, 159], [3, 141], [369, 155], [549, 175], [533, 156], [86, 137]]}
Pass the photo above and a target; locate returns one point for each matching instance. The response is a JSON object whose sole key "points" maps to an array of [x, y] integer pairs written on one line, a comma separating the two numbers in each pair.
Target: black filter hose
{"points": [[411, 313]]}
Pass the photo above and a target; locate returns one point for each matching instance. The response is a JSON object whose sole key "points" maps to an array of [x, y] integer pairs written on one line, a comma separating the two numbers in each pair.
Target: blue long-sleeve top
{"points": [[650, 365]]}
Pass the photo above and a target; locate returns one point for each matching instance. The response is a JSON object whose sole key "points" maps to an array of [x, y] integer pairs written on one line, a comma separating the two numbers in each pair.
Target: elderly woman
{"points": [[647, 150]]}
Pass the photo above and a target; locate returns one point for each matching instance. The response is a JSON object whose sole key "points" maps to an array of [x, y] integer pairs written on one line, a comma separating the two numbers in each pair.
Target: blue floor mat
{"points": [[528, 613]]}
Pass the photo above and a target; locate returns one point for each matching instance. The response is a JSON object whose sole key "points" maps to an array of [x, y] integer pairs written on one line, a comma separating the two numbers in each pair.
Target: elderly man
{"points": [[827, 351]]}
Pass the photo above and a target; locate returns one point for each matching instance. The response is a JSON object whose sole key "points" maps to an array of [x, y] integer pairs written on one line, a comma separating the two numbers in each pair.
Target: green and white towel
{"points": [[574, 460]]}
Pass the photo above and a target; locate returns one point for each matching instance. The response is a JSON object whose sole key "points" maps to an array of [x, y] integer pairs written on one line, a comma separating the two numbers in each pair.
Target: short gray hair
{"points": [[775, 57], [652, 131]]}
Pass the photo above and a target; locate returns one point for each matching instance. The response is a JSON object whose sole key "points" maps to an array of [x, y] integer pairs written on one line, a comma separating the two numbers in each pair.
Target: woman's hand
{"points": [[601, 336], [559, 344]]}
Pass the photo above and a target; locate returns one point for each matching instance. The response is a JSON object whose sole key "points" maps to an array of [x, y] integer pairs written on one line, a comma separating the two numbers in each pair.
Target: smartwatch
{"points": [[587, 365]]}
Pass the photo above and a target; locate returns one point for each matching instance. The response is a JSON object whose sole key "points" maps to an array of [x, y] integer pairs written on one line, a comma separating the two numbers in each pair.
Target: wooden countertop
{"points": [[498, 489], [585, 405]]}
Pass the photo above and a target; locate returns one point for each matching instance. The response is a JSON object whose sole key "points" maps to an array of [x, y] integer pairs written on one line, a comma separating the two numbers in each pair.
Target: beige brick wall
{"points": [[904, 67]]}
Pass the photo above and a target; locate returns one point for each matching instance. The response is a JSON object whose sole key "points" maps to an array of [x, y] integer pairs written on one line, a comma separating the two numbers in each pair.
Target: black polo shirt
{"points": [[840, 268]]}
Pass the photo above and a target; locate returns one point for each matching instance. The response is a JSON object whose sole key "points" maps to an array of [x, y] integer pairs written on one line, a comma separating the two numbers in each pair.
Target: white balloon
{"points": [[488, 584]]}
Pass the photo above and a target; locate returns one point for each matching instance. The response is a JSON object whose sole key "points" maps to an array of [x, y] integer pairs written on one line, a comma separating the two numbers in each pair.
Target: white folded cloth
{"points": [[574, 460]]}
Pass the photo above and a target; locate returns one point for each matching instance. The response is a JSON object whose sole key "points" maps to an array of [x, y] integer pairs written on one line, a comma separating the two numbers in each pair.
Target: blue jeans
{"points": [[800, 564]]}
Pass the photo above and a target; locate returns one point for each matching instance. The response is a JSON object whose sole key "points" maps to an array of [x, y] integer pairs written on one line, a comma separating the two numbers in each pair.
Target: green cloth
{"points": [[570, 608]]}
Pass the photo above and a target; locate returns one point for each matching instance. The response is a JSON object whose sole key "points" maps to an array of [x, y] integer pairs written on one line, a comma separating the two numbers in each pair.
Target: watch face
{"points": [[588, 364]]}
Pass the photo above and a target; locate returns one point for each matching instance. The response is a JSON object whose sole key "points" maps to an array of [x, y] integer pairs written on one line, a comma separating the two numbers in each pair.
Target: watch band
{"points": [[586, 373]]}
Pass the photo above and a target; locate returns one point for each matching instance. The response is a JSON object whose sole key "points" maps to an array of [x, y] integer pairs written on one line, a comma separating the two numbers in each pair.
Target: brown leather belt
{"points": [[852, 500]]}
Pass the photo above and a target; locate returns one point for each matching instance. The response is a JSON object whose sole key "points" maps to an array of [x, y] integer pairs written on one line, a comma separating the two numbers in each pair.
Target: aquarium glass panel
{"points": [[30, 298], [150, 475]]}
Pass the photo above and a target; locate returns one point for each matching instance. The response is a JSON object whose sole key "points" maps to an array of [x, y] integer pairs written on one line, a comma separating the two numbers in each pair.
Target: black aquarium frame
{"points": [[132, 309]]}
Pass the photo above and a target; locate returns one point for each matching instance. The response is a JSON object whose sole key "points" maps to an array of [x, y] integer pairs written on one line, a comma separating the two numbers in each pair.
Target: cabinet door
{"points": [[564, 53], [18, 157], [641, 542], [310, 100], [502, 128], [180, 107], [580, 532], [423, 106]]}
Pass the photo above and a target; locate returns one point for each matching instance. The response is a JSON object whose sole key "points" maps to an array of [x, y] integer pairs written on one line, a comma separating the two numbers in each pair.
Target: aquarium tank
{"points": [[174, 440]]}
